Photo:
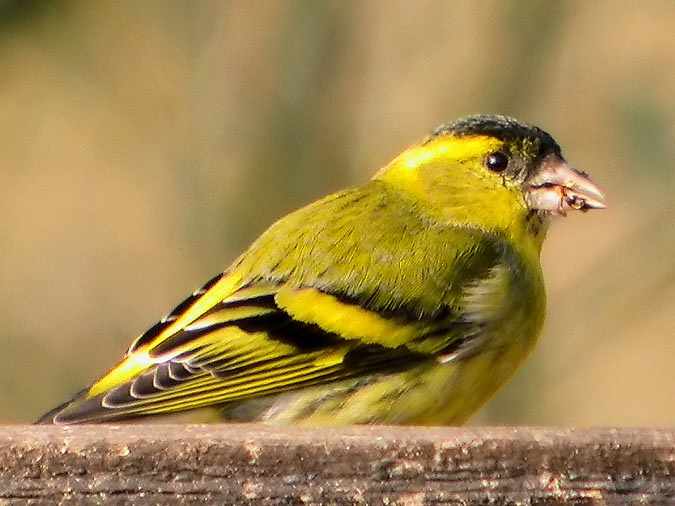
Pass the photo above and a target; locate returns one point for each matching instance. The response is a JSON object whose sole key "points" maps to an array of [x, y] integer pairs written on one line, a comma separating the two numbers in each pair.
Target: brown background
{"points": [[144, 144]]}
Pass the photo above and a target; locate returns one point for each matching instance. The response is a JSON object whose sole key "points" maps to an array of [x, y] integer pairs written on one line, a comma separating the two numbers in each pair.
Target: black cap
{"points": [[501, 127]]}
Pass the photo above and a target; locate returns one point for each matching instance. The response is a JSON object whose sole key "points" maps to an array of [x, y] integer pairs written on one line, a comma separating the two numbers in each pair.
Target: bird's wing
{"points": [[262, 340]]}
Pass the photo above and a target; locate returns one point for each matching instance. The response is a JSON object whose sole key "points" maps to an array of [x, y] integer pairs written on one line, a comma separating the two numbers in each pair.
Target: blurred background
{"points": [[145, 144]]}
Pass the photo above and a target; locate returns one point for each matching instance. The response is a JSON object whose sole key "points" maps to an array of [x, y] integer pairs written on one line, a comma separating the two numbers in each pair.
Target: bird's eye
{"points": [[497, 162]]}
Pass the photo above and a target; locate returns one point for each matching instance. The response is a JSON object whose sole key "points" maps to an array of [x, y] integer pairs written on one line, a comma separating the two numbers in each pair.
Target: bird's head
{"points": [[494, 173]]}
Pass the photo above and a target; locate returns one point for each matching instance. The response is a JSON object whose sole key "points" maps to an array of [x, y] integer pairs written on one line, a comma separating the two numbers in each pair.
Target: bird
{"points": [[407, 300]]}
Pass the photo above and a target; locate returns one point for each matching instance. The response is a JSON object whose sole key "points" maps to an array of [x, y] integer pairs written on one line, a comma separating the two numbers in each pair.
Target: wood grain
{"points": [[252, 464]]}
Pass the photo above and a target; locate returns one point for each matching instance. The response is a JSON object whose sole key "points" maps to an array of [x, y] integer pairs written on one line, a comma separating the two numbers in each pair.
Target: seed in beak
{"points": [[556, 187], [577, 203]]}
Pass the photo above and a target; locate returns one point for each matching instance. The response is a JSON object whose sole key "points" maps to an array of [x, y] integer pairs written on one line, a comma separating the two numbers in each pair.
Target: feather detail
{"points": [[287, 316]]}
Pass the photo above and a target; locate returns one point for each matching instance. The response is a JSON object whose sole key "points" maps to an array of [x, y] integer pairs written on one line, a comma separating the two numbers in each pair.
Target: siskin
{"points": [[407, 300]]}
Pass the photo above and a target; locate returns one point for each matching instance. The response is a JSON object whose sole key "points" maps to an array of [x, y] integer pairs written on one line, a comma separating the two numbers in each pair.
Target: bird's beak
{"points": [[556, 187]]}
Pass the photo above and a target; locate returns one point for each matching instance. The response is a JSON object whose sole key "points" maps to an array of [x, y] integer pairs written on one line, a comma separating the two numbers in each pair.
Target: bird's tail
{"points": [[48, 418]]}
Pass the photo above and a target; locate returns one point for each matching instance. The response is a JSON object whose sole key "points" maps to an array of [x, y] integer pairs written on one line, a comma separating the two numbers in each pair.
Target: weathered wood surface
{"points": [[250, 464]]}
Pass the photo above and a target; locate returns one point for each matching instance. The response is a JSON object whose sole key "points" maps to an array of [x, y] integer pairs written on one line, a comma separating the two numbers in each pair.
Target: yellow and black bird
{"points": [[407, 300]]}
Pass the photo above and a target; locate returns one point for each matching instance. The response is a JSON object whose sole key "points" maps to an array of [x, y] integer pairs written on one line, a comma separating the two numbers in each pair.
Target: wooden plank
{"points": [[252, 464]]}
